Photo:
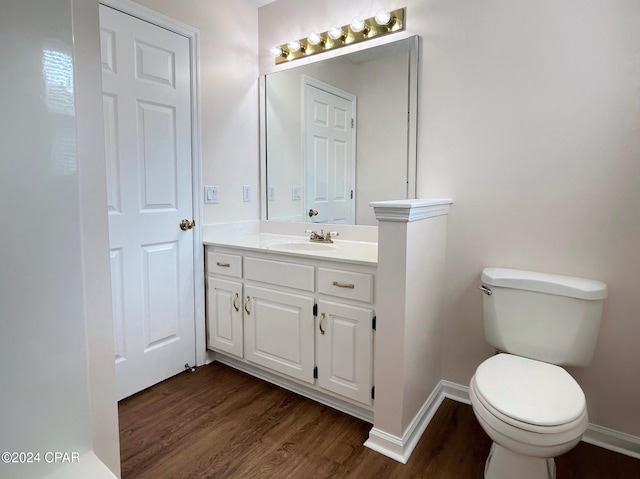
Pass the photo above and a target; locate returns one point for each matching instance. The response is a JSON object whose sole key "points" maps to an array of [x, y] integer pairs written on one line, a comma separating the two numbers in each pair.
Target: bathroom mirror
{"points": [[340, 133]]}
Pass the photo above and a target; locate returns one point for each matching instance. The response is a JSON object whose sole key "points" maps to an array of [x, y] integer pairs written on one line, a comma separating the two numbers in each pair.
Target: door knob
{"points": [[187, 225], [312, 213]]}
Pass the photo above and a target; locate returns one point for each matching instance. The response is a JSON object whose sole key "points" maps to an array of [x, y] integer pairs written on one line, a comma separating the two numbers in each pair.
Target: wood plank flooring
{"points": [[222, 423]]}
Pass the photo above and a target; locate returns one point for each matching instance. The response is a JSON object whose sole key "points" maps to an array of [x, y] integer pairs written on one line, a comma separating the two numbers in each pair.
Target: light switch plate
{"points": [[211, 194]]}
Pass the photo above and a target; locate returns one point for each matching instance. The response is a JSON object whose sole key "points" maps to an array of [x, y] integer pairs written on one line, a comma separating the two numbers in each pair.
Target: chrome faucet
{"points": [[321, 237]]}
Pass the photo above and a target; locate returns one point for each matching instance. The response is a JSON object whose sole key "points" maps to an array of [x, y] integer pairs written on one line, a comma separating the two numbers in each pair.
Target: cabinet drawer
{"points": [[226, 264], [298, 276], [346, 284]]}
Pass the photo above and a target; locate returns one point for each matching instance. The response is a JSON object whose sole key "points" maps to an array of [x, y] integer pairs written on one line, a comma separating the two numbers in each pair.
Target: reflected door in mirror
{"points": [[329, 152]]}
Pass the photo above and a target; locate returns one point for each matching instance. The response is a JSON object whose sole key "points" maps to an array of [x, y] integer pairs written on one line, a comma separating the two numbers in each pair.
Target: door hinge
{"points": [[315, 372], [351, 194], [373, 323], [315, 309], [353, 122], [373, 392]]}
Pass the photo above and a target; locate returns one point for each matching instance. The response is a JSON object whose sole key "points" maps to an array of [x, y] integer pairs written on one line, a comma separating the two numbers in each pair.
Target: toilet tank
{"points": [[542, 316]]}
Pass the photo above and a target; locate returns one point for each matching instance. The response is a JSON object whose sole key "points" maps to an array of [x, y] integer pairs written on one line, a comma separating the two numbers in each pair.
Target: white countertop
{"points": [[340, 250]]}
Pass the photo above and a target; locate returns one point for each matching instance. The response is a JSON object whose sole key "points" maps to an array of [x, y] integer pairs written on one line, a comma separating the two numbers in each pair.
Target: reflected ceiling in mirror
{"points": [[340, 133]]}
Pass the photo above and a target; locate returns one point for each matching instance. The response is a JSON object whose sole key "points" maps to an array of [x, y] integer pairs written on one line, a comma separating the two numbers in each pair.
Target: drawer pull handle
{"points": [[344, 285], [320, 324], [235, 302], [222, 265], [246, 304]]}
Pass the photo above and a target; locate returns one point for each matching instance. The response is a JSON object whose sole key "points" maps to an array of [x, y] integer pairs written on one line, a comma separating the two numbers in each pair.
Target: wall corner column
{"points": [[411, 255]]}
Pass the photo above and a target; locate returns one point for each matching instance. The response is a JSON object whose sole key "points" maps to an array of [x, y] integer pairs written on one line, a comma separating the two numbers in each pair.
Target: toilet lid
{"points": [[530, 391]]}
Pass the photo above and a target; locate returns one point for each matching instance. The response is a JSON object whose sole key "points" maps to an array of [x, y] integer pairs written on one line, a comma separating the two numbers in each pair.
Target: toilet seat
{"points": [[526, 439], [530, 395]]}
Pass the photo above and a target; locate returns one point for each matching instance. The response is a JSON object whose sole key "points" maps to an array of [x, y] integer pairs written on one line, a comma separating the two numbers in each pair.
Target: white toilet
{"points": [[531, 408]]}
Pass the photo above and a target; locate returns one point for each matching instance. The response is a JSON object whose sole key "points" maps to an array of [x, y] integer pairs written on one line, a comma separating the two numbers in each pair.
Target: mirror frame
{"points": [[412, 132]]}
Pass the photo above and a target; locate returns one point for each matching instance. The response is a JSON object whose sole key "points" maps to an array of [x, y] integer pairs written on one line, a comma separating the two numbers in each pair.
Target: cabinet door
{"points": [[224, 316], [279, 331], [345, 342]]}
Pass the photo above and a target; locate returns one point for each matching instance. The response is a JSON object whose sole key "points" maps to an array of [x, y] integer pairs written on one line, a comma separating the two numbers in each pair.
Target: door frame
{"points": [[193, 35], [309, 81]]}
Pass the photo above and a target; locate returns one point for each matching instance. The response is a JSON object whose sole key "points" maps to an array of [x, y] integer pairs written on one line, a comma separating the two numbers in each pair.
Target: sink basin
{"points": [[299, 246]]}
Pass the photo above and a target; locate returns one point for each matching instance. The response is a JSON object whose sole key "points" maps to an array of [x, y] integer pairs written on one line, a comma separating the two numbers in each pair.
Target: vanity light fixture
{"points": [[383, 23]]}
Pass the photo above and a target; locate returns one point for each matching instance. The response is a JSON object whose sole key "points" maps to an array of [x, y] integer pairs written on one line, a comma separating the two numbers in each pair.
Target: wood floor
{"points": [[222, 423]]}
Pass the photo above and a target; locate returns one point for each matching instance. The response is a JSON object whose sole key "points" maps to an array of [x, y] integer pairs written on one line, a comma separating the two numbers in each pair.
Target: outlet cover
{"points": [[246, 193], [272, 193], [296, 193]]}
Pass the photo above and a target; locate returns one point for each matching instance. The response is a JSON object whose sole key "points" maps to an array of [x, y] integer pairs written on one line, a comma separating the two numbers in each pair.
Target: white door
{"points": [[147, 113], [345, 343], [279, 331], [329, 149]]}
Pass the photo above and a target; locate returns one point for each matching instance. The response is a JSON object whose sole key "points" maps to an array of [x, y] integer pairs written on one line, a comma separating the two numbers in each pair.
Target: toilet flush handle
{"points": [[485, 290]]}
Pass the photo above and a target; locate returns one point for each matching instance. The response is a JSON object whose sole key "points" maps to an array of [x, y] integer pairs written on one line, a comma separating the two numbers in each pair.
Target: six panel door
{"points": [[147, 120]]}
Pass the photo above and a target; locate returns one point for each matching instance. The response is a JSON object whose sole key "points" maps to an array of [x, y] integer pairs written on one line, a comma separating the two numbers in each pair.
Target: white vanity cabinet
{"points": [[306, 319]]}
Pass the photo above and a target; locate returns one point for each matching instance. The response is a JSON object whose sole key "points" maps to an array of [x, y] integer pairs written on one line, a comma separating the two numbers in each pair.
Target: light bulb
{"points": [[315, 38], [294, 46], [335, 33], [277, 51], [357, 25], [383, 17]]}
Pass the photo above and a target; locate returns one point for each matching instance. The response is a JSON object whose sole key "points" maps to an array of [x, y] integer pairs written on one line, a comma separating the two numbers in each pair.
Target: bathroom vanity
{"points": [[355, 324], [281, 306]]}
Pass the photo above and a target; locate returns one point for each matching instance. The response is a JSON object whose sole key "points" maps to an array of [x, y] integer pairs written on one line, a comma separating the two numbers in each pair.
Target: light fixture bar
{"points": [[322, 42]]}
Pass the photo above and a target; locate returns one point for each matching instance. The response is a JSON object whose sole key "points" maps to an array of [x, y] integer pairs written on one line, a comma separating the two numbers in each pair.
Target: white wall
{"points": [[95, 234], [528, 119], [52, 300], [229, 99]]}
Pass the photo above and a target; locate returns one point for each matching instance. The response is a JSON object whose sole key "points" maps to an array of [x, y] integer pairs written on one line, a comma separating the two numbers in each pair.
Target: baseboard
{"points": [[597, 435], [613, 440], [400, 448]]}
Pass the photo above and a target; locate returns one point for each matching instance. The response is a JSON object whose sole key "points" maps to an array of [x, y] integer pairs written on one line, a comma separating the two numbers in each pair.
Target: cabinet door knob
{"points": [[312, 213], [235, 302], [320, 325]]}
